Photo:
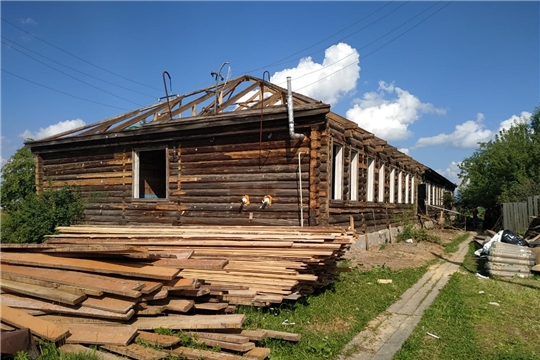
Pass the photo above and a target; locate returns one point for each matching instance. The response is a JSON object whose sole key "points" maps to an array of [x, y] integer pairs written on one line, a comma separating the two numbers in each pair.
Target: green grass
{"points": [[470, 328], [453, 245], [329, 320]]}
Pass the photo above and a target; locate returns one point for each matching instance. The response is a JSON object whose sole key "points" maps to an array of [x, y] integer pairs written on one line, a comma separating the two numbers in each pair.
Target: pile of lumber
{"points": [[113, 287], [263, 265]]}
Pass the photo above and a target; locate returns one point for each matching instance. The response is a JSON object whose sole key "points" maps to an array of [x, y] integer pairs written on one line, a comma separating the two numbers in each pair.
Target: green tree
{"points": [[18, 179], [505, 169], [26, 216]]}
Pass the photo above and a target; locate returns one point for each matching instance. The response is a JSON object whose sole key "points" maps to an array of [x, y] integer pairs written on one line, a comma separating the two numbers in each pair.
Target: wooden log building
{"points": [[244, 152]]}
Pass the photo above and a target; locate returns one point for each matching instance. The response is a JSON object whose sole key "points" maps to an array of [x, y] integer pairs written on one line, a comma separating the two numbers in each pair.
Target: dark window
{"points": [[150, 178]]}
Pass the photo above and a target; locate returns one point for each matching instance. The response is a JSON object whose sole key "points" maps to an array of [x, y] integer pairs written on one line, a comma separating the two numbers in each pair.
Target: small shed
{"points": [[244, 152]]}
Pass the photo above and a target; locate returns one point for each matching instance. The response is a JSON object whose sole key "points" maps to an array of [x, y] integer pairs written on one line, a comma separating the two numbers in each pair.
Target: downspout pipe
{"points": [[292, 134]]}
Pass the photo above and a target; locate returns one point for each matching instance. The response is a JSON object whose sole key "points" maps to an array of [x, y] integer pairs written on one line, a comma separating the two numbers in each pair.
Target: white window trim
{"points": [[407, 189], [392, 185], [412, 190], [400, 187], [338, 175], [370, 179], [353, 196], [381, 183]]}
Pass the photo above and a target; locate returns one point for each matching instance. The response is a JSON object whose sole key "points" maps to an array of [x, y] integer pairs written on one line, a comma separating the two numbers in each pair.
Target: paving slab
{"points": [[383, 336]]}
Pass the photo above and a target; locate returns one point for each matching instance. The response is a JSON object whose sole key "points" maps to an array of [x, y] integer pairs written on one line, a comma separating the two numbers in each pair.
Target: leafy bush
{"points": [[410, 232], [37, 215]]}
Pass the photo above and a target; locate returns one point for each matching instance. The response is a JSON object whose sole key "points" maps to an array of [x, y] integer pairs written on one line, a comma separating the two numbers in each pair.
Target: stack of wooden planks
{"points": [[114, 286]]}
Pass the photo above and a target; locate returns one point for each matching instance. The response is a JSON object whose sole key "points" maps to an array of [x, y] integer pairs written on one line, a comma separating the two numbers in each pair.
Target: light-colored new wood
{"points": [[94, 266], [137, 352], [99, 335], [109, 304], [41, 292], [191, 322], [196, 354], [78, 349], [158, 339], [258, 353], [37, 326]]}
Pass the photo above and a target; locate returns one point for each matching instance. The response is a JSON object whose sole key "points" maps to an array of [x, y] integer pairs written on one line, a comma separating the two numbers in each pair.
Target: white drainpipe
{"points": [[292, 134]]}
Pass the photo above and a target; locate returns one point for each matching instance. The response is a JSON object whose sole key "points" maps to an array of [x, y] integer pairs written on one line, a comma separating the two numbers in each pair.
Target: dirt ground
{"points": [[402, 255]]}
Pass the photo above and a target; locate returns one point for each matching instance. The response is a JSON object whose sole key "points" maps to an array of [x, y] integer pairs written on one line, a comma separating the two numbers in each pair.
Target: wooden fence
{"points": [[517, 216]]}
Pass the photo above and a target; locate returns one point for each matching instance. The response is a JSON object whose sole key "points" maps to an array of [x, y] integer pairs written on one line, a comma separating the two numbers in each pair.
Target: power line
{"points": [[279, 62], [379, 48], [79, 58], [73, 77], [62, 92], [80, 72], [374, 41]]}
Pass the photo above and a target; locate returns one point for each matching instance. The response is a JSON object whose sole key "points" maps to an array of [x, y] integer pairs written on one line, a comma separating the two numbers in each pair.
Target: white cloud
{"points": [[28, 21], [51, 130], [451, 172], [404, 150], [2, 161], [466, 135], [389, 119], [335, 77], [515, 119]]}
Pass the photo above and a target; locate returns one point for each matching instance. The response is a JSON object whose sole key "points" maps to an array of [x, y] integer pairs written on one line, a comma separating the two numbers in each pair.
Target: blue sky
{"points": [[431, 78]]}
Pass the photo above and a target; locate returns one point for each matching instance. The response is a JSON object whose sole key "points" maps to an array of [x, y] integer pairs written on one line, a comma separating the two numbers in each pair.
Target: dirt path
{"points": [[385, 334]]}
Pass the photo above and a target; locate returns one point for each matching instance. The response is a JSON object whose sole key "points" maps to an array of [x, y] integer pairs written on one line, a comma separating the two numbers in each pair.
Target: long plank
{"points": [[136, 351], [78, 290], [99, 335], [226, 345], [258, 353], [34, 304], [80, 349], [220, 336], [158, 339], [206, 264], [41, 292], [196, 354], [109, 304], [37, 326], [93, 266], [91, 281], [191, 322]]}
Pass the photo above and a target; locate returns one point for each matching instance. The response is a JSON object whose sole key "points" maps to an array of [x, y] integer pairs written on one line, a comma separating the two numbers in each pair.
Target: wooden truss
{"points": [[240, 94]]}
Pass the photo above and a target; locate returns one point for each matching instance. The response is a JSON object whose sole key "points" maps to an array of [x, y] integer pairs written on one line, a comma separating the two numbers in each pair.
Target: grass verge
{"points": [[453, 245], [469, 327], [330, 319]]}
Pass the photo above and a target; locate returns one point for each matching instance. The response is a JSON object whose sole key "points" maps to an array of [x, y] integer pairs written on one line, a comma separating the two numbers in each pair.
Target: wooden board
{"points": [[158, 339], [203, 264], [109, 304], [80, 349], [125, 287], [225, 345], [79, 290], [197, 354], [41, 292], [37, 326], [137, 352], [28, 303], [180, 305], [220, 336], [211, 306], [180, 284], [258, 353], [93, 266], [100, 335], [283, 335], [191, 322]]}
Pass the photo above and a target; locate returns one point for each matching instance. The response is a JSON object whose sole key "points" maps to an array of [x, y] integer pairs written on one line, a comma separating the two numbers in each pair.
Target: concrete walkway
{"points": [[385, 334]]}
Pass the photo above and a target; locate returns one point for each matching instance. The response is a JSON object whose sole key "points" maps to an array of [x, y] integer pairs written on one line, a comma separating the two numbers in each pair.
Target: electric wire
{"points": [[79, 58], [62, 92], [73, 69], [281, 61], [379, 48], [73, 77], [363, 47]]}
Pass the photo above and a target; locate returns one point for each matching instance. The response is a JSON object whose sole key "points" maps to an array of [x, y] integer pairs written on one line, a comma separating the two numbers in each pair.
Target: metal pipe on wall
{"points": [[292, 134]]}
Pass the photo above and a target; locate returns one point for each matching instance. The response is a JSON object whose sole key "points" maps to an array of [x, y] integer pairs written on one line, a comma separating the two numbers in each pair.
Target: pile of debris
{"points": [[113, 287]]}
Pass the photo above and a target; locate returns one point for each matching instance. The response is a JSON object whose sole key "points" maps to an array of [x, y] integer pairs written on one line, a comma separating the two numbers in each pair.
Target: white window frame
{"points": [[381, 183], [392, 185], [353, 193], [412, 190], [407, 189], [400, 187], [337, 173], [370, 180]]}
